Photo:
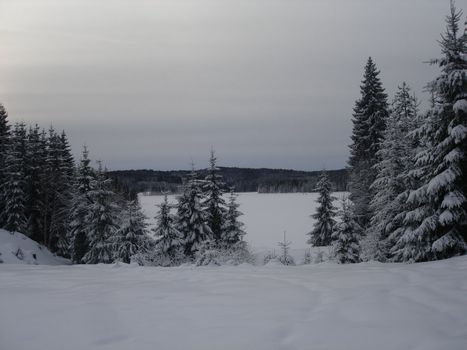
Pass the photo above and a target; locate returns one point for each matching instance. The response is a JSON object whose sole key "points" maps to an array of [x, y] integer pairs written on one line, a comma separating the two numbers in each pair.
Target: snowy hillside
{"points": [[16, 248], [326, 306]]}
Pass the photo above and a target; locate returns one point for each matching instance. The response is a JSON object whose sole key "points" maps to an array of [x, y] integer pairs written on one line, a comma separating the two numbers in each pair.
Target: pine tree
{"points": [[233, 229], [324, 216], [345, 246], [191, 219], [81, 206], [131, 237], [436, 226], [102, 220], [169, 239], [4, 147], [397, 149], [214, 203], [15, 186], [369, 120]]}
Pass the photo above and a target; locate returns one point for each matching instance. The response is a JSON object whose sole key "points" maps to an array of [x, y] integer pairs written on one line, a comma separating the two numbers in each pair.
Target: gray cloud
{"points": [[149, 84]]}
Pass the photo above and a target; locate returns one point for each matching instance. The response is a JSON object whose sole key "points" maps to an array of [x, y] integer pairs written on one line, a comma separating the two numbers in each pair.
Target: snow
{"points": [[30, 252], [460, 106], [326, 306], [266, 217]]}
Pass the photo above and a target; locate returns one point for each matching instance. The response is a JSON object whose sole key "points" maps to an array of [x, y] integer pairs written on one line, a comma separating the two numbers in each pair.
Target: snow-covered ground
{"points": [[325, 306], [266, 217], [16, 248]]}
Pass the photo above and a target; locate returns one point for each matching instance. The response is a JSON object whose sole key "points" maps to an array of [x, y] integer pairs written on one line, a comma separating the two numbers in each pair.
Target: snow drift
{"points": [[16, 248]]}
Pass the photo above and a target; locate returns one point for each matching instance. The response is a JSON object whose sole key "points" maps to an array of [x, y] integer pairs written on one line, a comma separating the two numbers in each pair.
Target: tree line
{"points": [[78, 212], [243, 179], [408, 169]]}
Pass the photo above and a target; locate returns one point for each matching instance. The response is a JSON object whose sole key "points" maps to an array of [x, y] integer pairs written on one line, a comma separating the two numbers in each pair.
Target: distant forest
{"points": [[243, 179]]}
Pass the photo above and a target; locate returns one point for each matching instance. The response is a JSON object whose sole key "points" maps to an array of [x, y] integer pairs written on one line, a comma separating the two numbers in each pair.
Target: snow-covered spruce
{"points": [[324, 216], [131, 241], [102, 220], [169, 239], [14, 187], [435, 227], [369, 120], [345, 248], [233, 229], [214, 203], [35, 189], [59, 180], [80, 207], [284, 257], [4, 146], [395, 154], [191, 217]]}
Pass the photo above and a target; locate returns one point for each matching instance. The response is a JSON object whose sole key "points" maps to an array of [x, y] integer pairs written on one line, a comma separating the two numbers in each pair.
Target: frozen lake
{"points": [[266, 216]]}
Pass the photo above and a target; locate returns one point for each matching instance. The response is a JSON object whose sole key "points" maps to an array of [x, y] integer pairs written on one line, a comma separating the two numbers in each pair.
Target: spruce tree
{"points": [[80, 208], [284, 256], [131, 236], [397, 149], [436, 226], [345, 246], [321, 235], [102, 220], [67, 178], [14, 212], [233, 229], [369, 121], [59, 179], [169, 239], [214, 203], [191, 219], [34, 177], [4, 147]]}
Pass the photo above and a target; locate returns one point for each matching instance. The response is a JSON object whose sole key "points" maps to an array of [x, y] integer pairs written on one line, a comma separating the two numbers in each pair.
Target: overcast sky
{"points": [[152, 84]]}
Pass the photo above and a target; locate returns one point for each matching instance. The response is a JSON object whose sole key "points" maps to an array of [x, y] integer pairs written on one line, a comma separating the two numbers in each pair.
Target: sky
{"points": [[155, 84]]}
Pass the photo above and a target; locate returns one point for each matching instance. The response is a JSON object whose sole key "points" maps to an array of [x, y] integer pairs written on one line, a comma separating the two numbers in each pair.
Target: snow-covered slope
{"points": [[325, 306], [16, 248]]}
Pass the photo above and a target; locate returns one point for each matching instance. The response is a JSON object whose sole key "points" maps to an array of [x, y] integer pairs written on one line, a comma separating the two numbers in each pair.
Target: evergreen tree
{"points": [[233, 229], [214, 203], [59, 185], [345, 238], [34, 178], [369, 120], [169, 239], [102, 220], [67, 178], [436, 225], [191, 219], [285, 257], [324, 216], [397, 149], [131, 237], [81, 206], [14, 189], [4, 147]]}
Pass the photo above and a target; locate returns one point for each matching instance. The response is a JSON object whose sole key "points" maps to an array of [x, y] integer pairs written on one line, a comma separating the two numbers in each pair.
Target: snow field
{"points": [[326, 306]]}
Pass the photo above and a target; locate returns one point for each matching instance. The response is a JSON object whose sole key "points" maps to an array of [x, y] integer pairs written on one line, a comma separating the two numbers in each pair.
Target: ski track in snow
{"points": [[323, 306]]}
